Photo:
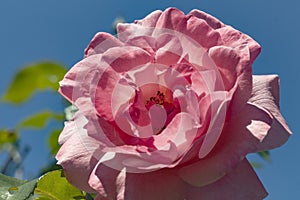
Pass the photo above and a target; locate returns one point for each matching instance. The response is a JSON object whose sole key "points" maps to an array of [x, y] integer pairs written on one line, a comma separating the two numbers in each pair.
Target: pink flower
{"points": [[168, 110]]}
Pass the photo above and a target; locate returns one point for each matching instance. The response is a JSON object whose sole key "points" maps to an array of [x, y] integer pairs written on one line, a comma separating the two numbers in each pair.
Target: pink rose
{"points": [[168, 110]]}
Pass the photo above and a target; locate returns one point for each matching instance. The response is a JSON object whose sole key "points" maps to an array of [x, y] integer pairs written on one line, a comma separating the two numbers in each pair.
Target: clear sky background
{"points": [[35, 30]]}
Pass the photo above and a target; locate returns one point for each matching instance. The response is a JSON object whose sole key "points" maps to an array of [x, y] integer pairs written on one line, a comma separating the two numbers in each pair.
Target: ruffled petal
{"points": [[235, 142], [200, 31], [265, 94], [227, 60], [247, 49], [109, 183], [210, 20], [150, 20], [165, 184], [76, 156], [80, 79], [171, 18], [101, 43], [236, 39], [123, 59]]}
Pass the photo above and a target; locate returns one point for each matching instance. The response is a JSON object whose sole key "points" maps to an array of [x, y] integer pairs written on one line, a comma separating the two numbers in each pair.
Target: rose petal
{"points": [[171, 18], [123, 59], [227, 60], [101, 43], [235, 143], [80, 79], [181, 131], [265, 94], [144, 42], [168, 186], [234, 38], [212, 21], [78, 161], [150, 20], [201, 32], [169, 50], [218, 109], [109, 183], [162, 184], [241, 183]]}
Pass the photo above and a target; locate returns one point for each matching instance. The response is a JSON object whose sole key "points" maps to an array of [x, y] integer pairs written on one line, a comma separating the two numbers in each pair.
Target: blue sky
{"points": [[35, 30]]}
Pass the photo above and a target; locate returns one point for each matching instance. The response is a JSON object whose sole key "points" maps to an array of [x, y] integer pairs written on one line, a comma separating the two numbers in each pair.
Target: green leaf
{"points": [[7, 136], [70, 111], [15, 189], [39, 120], [53, 141], [40, 76], [265, 155], [54, 186], [256, 165]]}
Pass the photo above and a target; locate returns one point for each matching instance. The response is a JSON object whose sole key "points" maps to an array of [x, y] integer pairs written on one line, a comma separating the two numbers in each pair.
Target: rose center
{"points": [[156, 94], [158, 99]]}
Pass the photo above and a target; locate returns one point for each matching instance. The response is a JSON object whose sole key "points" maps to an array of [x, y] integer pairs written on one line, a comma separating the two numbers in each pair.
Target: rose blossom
{"points": [[168, 110]]}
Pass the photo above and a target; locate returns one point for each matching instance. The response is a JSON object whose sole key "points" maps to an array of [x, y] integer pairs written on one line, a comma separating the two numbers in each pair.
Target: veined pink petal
{"points": [[265, 94], [168, 50], [109, 183], [80, 79], [77, 160], [227, 60], [201, 32], [181, 131], [101, 43], [235, 39], [123, 59], [67, 132], [145, 42], [235, 143], [104, 92], [211, 21], [171, 18]]}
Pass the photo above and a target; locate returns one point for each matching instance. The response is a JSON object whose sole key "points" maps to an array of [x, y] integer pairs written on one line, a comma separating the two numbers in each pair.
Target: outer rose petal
{"points": [[79, 79], [108, 182], [265, 94], [150, 20], [253, 129], [242, 183], [77, 162], [166, 185], [212, 21], [227, 60], [247, 49], [101, 43], [235, 143]]}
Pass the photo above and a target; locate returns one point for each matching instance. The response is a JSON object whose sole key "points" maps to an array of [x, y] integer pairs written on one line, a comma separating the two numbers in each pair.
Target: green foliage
{"points": [[39, 120], [14, 189], [53, 141], [54, 186], [7, 136], [70, 111], [51, 186], [256, 165], [265, 155], [35, 77]]}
